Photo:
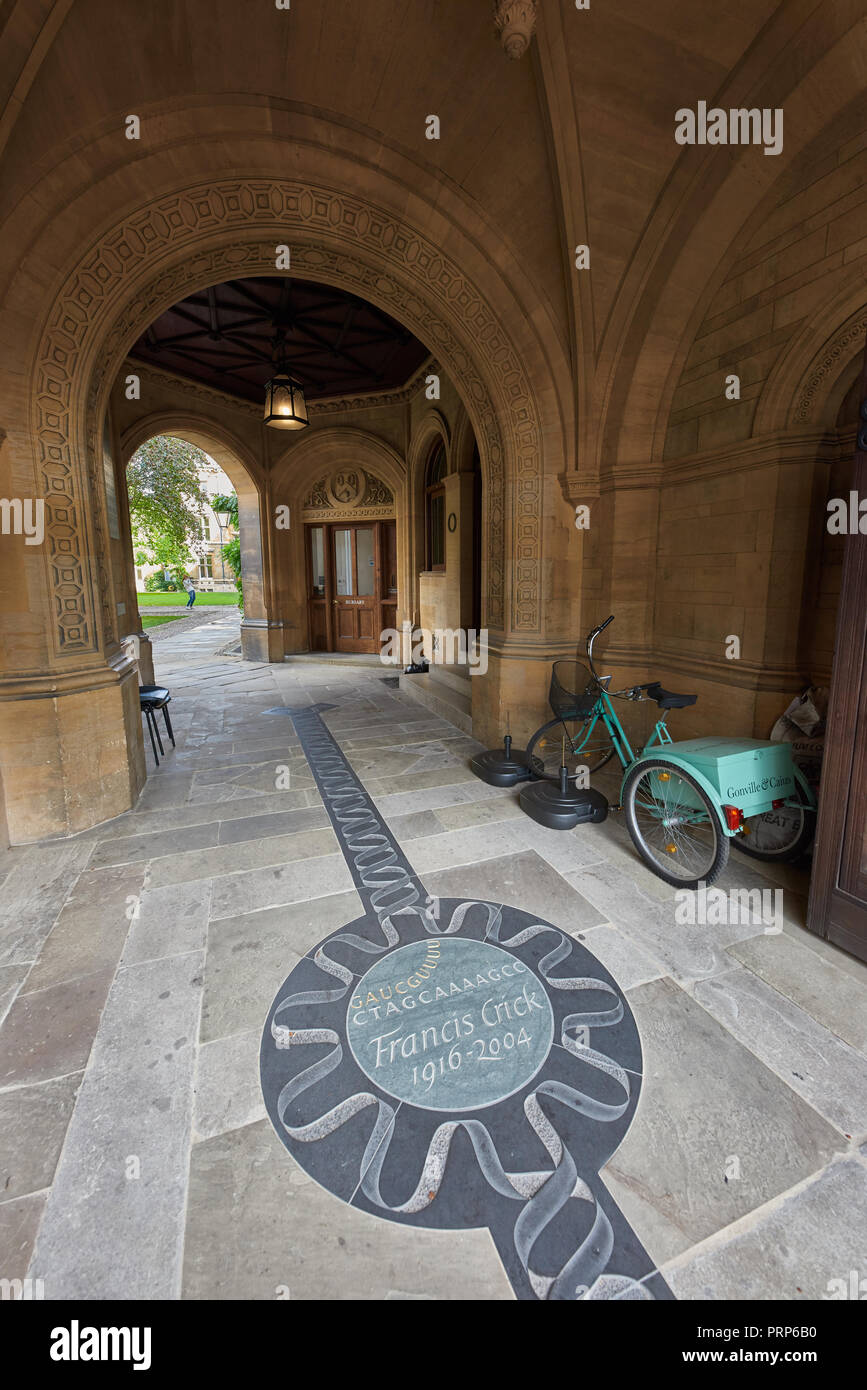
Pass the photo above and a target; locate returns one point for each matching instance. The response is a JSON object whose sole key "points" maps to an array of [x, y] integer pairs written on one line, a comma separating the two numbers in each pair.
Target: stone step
{"points": [[345, 659], [457, 677], [441, 699]]}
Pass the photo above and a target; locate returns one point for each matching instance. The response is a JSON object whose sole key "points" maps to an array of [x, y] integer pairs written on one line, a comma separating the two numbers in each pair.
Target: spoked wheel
{"points": [[780, 835], [546, 748], [674, 824]]}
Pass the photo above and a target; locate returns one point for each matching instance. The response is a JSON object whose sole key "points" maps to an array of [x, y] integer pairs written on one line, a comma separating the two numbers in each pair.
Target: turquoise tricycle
{"points": [[684, 803]]}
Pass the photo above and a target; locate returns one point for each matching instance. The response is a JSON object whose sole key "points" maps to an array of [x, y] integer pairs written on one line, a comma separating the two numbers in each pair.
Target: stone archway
{"points": [[316, 453], [168, 248], [181, 243], [234, 458]]}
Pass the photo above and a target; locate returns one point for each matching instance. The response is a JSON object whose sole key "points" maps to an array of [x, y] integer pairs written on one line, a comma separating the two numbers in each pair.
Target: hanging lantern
{"points": [[285, 406]]}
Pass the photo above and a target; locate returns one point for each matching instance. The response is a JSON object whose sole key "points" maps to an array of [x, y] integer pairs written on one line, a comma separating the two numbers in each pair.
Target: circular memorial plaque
{"points": [[450, 1024], [458, 1064]]}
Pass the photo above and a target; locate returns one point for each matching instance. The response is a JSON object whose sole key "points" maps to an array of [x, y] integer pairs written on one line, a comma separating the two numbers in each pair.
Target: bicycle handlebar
{"points": [[592, 638]]}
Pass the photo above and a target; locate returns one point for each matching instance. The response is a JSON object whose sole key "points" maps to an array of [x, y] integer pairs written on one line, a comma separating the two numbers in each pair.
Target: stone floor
{"points": [[186, 619], [138, 963]]}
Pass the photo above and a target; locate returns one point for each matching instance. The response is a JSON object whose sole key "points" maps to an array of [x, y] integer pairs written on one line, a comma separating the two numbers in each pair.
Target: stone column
{"points": [[70, 726]]}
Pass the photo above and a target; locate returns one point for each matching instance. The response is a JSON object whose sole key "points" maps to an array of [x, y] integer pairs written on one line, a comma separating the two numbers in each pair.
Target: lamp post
{"points": [[223, 519]]}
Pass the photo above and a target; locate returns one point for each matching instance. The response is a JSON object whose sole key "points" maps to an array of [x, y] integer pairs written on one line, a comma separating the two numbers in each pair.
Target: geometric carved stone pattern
{"points": [[330, 235]]}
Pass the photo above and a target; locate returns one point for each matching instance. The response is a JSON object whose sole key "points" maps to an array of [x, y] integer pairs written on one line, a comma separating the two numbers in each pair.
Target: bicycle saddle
{"points": [[666, 699]]}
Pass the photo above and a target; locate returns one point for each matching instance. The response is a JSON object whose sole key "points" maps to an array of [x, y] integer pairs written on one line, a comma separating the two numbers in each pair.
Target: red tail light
{"points": [[733, 817]]}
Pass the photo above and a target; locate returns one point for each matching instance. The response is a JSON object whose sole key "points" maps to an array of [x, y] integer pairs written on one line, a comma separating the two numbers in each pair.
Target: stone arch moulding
{"points": [[798, 388], [237, 462], [185, 424], [321, 452], [432, 425], [185, 241], [463, 443]]}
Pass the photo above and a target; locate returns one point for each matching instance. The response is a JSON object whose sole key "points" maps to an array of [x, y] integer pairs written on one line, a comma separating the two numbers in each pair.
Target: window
{"points": [[435, 508], [206, 566], [317, 562]]}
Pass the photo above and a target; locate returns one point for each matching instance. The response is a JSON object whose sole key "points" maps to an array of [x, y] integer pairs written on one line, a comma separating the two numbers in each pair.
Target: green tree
{"points": [[232, 556], [166, 500]]}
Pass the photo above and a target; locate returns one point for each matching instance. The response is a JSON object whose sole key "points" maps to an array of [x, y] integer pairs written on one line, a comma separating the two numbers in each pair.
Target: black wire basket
{"points": [[573, 691]]}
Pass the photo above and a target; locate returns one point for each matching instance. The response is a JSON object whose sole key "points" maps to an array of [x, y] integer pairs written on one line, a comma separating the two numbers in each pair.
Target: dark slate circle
{"points": [[488, 1161]]}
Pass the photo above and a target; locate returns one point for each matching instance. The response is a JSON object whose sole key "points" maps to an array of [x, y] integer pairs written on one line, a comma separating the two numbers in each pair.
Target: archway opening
{"points": [[227, 507]]}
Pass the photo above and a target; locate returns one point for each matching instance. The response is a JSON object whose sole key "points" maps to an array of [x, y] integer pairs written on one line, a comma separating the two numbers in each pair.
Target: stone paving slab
{"points": [[88, 935], [132, 849], [242, 855], [170, 921], [32, 895], [627, 962], [33, 1122], [19, 1225], [706, 1100], [228, 1095], [689, 951], [277, 822], [281, 884], [817, 985], [521, 880], [50, 1032], [250, 955], [11, 979], [826, 1072], [113, 1225], [802, 1248], [261, 1228]]}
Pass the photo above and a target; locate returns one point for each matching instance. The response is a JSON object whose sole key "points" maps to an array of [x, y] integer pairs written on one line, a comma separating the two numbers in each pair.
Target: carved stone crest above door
{"points": [[345, 490]]}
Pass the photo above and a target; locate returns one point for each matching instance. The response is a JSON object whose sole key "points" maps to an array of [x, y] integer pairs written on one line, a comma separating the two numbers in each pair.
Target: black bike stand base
{"points": [[561, 807], [500, 767]]}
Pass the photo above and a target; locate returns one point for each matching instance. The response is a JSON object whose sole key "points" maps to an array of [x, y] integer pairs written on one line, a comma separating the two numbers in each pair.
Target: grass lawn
{"points": [[156, 619], [202, 600]]}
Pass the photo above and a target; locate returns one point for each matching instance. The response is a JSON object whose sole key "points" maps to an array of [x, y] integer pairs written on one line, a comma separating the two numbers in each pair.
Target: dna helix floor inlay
{"points": [[456, 1063]]}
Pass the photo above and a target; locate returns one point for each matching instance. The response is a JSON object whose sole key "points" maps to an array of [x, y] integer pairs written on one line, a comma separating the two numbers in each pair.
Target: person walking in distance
{"points": [[191, 593]]}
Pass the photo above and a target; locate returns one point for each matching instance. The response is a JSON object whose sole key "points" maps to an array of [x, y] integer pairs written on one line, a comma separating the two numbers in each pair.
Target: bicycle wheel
{"points": [[546, 748], [780, 835], [674, 825]]}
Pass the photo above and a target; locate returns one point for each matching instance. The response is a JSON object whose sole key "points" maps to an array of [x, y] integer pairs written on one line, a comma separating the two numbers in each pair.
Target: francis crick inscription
{"points": [[450, 1025]]}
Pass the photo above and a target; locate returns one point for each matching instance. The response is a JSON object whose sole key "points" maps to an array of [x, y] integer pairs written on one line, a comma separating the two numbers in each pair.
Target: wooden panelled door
{"points": [[352, 585], [356, 598], [838, 887]]}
